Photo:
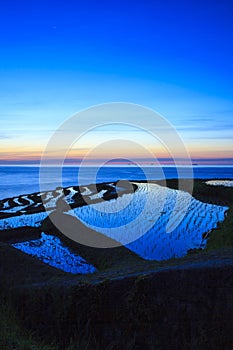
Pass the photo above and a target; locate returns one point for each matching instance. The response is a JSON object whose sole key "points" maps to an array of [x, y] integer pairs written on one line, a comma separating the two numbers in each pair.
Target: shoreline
{"points": [[24, 180]]}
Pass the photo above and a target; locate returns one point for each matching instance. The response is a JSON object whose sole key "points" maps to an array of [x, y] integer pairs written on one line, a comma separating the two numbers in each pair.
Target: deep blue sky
{"points": [[57, 57]]}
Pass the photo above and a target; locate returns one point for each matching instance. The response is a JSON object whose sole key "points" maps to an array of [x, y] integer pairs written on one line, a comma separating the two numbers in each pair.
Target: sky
{"points": [[59, 57]]}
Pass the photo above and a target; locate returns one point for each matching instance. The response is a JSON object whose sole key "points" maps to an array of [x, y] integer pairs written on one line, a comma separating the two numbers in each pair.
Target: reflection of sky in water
{"points": [[33, 220], [51, 251], [155, 242], [227, 183], [137, 220]]}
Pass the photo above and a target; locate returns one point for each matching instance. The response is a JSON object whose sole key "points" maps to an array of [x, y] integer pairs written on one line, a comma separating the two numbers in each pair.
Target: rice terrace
{"points": [[51, 267], [116, 175]]}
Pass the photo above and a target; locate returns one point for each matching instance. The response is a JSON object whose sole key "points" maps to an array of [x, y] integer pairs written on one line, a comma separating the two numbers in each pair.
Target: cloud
{"points": [[205, 127], [213, 137], [3, 136]]}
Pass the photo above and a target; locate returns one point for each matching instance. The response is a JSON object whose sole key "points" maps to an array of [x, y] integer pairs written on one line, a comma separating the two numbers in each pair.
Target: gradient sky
{"points": [[58, 57]]}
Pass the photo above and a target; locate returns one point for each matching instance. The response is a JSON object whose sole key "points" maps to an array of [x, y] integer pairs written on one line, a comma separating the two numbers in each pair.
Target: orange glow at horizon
{"points": [[26, 154]]}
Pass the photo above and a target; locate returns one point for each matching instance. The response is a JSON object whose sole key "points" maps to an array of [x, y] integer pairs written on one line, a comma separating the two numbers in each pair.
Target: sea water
{"points": [[18, 180]]}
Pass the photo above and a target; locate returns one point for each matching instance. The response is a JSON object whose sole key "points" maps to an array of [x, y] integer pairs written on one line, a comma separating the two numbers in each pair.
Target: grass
{"points": [[13, 336], [221, 195], [223, 235]]}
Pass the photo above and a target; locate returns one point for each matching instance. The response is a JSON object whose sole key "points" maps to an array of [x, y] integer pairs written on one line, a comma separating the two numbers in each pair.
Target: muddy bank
{"points": [[19, 234]]}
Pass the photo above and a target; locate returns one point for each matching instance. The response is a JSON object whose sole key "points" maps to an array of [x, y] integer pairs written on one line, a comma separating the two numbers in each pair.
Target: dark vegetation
{"points": [[12, 334], [187, 306], [128, 304]]}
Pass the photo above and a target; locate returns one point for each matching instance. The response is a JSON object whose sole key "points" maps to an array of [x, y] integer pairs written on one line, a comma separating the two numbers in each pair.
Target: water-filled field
{"points": [[155, 222], [227, 183], [52, 251], [156, 240]]}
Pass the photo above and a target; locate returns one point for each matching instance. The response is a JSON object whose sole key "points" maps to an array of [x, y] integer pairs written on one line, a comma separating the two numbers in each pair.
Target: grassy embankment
{"points": [[13, 336]]}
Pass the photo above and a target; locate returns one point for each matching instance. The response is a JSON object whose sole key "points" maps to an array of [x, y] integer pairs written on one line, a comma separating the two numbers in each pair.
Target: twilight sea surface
{"points": [[18, 180]]}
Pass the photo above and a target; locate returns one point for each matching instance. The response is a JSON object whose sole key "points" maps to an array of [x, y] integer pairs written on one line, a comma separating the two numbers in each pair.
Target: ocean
{"points": [[18, 180]]}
